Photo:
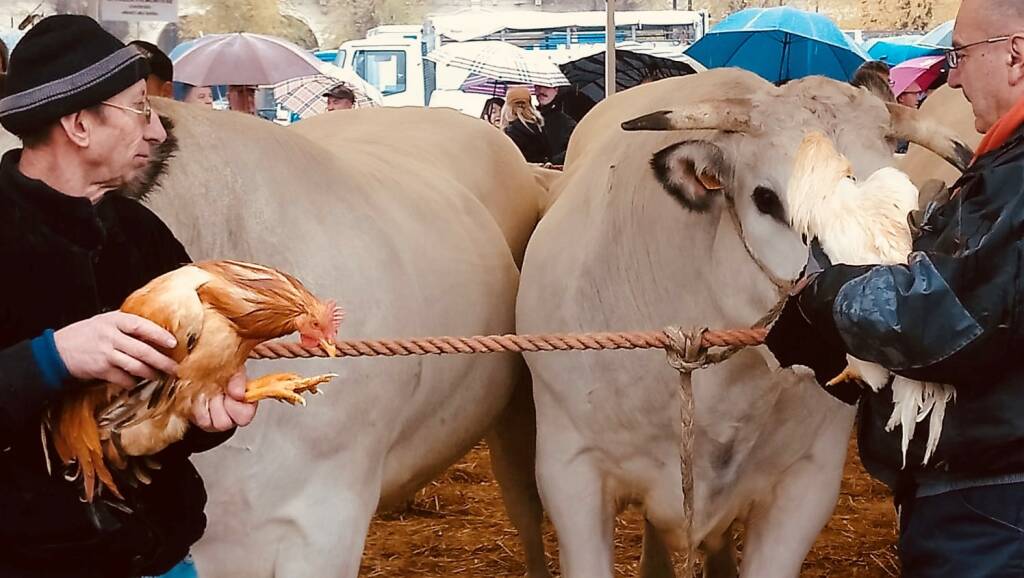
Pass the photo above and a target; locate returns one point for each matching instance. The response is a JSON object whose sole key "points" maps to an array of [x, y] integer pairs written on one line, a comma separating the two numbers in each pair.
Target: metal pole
{"points": [[609, 55]]}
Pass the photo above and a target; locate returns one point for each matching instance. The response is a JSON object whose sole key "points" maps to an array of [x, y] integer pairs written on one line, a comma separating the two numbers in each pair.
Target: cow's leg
{"points": [[314, 525], [656, 560], [572, 490], [513, 457], [783, 526], [329, 529], [720, 556]]}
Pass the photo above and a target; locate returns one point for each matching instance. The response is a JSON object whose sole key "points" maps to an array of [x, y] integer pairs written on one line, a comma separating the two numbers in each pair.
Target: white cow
{"points": [[410, 245], [639, 239]]}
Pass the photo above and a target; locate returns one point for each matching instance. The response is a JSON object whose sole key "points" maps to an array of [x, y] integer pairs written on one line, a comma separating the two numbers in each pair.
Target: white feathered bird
{"points": [[864, 224]]}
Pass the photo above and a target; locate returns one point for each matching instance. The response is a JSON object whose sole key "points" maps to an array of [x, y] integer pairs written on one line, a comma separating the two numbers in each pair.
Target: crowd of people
{"points": [[541, 131]]}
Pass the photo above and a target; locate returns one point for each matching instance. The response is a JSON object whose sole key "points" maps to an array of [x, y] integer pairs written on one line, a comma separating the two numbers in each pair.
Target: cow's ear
{"points": [[694, 172]]}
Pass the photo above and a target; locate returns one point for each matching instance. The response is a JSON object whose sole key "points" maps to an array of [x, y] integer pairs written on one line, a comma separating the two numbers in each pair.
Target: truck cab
{"points": [[392, 62]]}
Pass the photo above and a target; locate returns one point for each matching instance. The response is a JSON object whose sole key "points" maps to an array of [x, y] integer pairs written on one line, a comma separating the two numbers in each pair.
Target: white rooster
{"points": [[864, 224]]}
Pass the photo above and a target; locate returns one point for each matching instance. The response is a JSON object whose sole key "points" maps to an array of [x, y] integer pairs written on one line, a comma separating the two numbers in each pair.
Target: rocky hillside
{"points": [[329, 22]]}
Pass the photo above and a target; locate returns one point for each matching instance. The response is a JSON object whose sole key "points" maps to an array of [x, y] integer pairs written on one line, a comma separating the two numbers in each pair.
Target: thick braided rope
{"points": [[501, 343]]}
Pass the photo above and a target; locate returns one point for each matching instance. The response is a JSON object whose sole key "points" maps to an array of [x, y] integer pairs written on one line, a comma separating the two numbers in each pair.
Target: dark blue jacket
{"points": [[955, 315]]}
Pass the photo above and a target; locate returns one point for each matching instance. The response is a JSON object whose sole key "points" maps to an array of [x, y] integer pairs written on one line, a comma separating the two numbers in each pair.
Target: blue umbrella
{"points": [[898, 49], [779, 44], [940, 37]]}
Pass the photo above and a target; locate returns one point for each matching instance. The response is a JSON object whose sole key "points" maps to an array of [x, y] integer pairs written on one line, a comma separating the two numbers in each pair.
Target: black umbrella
{"points": [[586, 75]]}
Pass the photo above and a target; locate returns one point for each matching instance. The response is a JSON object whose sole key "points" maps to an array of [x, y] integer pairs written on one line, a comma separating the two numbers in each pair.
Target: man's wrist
{"points": [[51, 366]]}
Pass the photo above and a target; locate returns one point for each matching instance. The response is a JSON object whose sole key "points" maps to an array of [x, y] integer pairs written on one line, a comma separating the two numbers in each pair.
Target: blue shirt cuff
{"points": [[51, 366]]}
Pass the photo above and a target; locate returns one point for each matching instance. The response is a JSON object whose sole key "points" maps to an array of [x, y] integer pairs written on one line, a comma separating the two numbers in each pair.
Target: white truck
{"points": [[392, 58]]}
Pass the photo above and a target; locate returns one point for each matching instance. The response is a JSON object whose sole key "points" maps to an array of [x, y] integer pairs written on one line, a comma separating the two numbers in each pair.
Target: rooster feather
{"points": [[865, 224]]}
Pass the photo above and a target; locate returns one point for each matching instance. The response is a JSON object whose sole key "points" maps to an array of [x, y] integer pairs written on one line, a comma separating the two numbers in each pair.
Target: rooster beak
{"points": [[329, 348]]}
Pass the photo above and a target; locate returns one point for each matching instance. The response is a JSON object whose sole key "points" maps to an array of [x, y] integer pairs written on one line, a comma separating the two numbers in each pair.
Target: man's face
{"points": [[200, 95], [335, 103], [982, 70], [120, 141], [545, 94], [911, 98]]}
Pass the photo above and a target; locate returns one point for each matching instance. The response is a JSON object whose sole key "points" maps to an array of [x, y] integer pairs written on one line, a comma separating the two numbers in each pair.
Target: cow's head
{"points": [[742, 150]]}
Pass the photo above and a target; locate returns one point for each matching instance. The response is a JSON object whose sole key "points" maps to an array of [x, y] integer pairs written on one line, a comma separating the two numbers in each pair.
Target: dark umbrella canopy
{"points": [[586, 75]]}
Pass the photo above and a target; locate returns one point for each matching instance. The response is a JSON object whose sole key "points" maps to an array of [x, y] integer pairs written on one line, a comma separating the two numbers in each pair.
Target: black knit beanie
{"points": [[64, 64]]}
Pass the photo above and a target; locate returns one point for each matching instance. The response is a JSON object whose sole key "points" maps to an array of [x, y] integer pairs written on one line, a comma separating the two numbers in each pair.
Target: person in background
{"points": [[340, 97], [242, 98], [492, 111], [523, 123], [161, 69], [199, 95], [4, 58], [185, 92], [558, 126], [874, 76], [912, 96]]}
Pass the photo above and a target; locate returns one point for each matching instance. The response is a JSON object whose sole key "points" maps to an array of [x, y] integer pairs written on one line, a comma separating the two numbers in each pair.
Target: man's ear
{"points": [[78, 126], [1016, 58], [694, 172]]}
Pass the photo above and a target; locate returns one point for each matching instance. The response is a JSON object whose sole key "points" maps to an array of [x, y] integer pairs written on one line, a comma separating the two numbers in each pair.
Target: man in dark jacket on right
{"points": [[558, 126], [954, 315]]}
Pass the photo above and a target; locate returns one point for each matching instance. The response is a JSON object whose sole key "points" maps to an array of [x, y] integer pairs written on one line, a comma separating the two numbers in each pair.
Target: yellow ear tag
{"points": [[710, 182]]}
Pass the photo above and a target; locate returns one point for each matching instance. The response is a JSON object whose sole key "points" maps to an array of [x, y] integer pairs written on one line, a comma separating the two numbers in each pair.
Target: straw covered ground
{"points": [[457, 527]]}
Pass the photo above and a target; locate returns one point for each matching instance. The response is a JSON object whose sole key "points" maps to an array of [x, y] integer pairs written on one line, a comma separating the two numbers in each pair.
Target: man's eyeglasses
{"points": [[146, 110], [953, 54]]}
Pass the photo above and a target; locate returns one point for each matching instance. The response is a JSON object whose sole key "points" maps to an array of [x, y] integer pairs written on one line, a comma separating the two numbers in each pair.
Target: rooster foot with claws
{"points": [[848, 374], [284, 387]]}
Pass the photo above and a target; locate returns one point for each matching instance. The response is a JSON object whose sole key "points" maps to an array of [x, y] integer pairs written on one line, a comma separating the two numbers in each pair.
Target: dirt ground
{"points": [[457, 527]]}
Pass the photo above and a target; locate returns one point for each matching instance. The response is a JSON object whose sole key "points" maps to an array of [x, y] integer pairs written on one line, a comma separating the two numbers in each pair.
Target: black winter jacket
{"points": [[558, 128], [64, 260], [531, 140], [954, 315]]}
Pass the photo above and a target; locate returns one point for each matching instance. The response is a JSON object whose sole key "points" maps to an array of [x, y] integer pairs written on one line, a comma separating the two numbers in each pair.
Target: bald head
{"points": [[1005, 12], [989, 39]]}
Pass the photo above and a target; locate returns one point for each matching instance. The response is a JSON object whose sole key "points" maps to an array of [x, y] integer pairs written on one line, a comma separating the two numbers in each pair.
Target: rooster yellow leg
{"points": [[284, 387], [848, 374]]}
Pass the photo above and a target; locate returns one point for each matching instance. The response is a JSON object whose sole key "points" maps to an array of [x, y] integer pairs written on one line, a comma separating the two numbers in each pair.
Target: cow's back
{"points": [[407, 251], [443, 142]]}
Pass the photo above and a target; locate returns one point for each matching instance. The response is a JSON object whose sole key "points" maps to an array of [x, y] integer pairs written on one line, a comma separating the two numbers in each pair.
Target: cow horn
{"points": [[729, 114], [910, 124]]}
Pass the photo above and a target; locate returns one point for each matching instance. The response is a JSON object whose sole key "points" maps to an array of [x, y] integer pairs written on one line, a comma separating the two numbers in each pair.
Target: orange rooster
{"points": [[218, 311]]}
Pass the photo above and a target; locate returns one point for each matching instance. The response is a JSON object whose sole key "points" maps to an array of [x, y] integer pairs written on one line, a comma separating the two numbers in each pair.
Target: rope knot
{"points": [[686, 350]]}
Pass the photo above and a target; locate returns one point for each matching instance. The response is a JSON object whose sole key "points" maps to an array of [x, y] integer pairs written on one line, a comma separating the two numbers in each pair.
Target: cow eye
{"points": [[767, 202]]}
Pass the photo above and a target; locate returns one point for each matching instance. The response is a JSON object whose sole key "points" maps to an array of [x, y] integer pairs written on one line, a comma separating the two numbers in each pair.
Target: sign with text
{"points": [[139, 10]]}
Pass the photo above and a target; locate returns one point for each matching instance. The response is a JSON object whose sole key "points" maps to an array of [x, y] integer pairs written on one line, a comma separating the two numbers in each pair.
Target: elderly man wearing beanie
{"points": [[71, 249]]}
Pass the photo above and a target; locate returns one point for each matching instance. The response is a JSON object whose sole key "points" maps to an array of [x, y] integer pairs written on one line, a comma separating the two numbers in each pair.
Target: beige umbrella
{"points": [[305, 95], [243, 58]]}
